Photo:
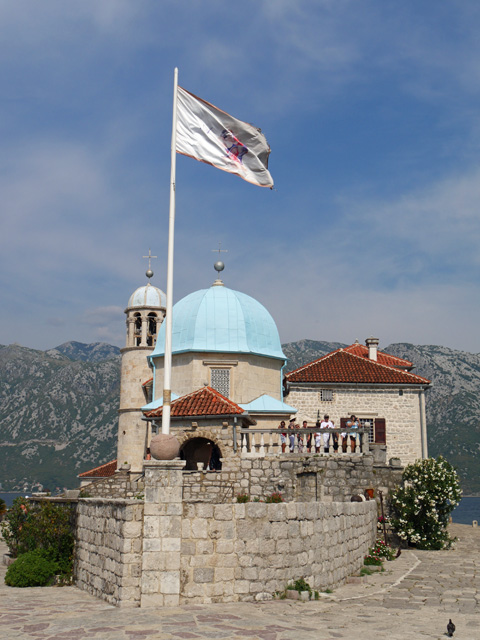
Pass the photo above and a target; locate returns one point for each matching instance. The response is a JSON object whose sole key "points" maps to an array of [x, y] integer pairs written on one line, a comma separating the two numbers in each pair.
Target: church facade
{"points": [[228, 375]]}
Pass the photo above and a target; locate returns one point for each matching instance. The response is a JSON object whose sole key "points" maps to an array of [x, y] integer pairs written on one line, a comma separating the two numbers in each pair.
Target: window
{"points": [[220, 381], [325, 395], [376, 429]]}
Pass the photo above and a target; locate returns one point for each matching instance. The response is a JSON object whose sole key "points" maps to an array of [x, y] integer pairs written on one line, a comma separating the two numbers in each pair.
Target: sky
{"points": [[371, 112]]}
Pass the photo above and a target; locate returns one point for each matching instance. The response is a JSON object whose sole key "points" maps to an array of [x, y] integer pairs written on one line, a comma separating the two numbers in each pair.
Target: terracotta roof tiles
{"points": [[342, 366], [203, 402], [103, 471], [358, 349]]}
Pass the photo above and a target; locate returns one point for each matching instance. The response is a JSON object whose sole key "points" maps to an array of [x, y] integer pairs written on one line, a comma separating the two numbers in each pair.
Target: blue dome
{"points": [[221, 320]]}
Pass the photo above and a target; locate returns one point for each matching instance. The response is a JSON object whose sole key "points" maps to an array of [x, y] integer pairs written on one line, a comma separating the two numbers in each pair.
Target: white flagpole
{"points": [[167, 378]]}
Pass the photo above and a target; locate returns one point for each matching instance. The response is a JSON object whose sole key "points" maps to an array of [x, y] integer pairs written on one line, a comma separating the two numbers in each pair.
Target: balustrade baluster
{"points": [[262, 445], [244, 443], [252, 444]]}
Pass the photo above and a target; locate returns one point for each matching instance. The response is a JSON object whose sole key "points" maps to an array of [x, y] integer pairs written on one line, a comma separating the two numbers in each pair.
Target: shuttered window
{"points": [[380, 431]]}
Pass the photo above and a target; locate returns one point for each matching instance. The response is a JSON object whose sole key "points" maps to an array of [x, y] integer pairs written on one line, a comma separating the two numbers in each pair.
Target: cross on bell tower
{"points": [[149, 272]]}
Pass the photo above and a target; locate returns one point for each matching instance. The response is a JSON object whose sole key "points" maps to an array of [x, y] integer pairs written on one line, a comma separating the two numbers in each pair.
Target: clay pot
{"points": [[164, 446]]}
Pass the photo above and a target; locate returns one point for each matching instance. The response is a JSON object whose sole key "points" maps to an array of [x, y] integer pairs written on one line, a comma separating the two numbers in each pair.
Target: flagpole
{"points": [[167, 377]]}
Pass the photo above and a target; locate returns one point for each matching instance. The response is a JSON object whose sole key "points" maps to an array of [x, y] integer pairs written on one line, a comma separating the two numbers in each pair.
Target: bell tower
{"points": [[145, 313]]}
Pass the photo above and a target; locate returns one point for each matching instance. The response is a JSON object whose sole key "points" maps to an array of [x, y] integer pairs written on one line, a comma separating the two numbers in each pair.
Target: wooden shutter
{"points": [[380, 431]]}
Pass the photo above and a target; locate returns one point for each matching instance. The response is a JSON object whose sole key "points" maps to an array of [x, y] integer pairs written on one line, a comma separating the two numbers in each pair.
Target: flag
{"points": [[215, 137]]}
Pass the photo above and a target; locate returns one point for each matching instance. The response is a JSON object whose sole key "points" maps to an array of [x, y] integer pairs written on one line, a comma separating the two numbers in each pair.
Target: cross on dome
{"points": [[219, 265]]}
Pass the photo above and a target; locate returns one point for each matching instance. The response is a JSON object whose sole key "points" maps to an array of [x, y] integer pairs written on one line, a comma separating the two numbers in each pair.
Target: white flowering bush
{"points": [[422, 507]]}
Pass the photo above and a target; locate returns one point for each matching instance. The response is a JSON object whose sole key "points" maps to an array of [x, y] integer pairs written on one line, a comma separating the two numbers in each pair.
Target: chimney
{"points": [[372, 344]]}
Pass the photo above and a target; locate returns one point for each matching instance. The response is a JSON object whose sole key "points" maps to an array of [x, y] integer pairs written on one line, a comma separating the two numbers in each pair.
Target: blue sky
{"points": [[371, 112]]}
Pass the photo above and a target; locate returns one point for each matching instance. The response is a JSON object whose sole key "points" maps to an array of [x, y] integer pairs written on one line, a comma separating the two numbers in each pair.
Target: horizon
{"points": [[371, 114]]}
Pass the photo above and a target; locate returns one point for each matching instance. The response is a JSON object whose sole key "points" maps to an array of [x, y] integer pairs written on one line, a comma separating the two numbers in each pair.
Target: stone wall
{"points": [[182, 546], [108, 552], [242, 551], [399, 407], [299, 477], [120, 485]]}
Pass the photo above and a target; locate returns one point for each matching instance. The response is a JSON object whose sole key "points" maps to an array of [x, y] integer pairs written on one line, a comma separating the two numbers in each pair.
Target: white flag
{"points": [[213, 136]]}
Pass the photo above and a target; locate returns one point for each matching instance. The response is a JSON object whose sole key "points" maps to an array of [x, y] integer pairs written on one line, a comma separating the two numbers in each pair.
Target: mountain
{"points": [[58, 408], [452, 404], [58, 413], [94, 352]]}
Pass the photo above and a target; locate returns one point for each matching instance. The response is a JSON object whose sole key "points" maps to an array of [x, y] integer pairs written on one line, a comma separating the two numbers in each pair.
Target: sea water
{"points": [[9, 496], [467, 511]]}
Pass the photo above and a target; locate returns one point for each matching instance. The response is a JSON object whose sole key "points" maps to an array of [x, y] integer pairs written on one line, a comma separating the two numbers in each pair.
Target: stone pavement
{"points": [[414, 597]]}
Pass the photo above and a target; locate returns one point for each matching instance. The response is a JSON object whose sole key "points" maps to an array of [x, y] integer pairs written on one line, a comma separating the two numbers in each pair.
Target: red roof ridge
{"points": [[384, 354], [309, 364], [215, 396], [386, 366], [91, 472]]}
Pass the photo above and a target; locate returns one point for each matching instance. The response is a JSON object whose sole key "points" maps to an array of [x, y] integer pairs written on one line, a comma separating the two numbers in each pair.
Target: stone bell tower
{"points": [[145, 313]]}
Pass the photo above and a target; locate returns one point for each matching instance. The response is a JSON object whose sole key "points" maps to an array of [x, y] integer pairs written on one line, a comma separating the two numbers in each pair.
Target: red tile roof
{"points": [[203, 402], [383, 358], [341, 366], [103, 471]]}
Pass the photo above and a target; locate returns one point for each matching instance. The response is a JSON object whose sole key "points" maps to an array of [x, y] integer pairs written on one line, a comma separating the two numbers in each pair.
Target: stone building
{"points": [[379, 389], [145, 313], [162, 533]]}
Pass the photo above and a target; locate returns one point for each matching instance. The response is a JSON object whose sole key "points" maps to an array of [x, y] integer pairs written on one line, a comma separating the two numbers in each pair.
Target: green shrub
{"points": [[422, 507], [301, 585], [31, 569], [16, 528], [243, 497], [44, 526]]}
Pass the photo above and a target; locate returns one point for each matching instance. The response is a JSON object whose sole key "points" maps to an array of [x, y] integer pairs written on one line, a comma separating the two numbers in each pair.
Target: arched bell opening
{"points": [[138, 329], [151, 329], [201, 450]]}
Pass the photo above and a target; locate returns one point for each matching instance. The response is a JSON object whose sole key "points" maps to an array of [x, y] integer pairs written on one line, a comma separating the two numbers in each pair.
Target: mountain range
{"points": [[58, 408]]}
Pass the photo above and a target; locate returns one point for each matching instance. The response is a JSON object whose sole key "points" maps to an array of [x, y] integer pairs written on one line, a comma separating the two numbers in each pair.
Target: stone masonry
{"points": [[108, 549], [122, 485], [299, 478], [402, 413], [238, 552], [168, 549]]}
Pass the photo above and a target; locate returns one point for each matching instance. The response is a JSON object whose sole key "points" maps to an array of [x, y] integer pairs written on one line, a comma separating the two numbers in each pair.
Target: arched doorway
{"points": [[201, 450]]}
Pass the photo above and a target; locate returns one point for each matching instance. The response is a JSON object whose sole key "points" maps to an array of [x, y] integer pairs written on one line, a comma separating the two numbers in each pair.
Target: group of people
{"points": [[314, 440]]}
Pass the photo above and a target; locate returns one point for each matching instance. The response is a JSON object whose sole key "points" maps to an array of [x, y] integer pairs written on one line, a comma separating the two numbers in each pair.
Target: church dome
{"points": [[224, 321], [147, 296]]}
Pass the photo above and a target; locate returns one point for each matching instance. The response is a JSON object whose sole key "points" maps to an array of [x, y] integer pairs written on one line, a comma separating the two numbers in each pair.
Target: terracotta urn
{"points": [[164, 446]]}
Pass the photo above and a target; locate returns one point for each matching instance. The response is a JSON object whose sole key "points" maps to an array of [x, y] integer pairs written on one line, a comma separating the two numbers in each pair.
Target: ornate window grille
{"points": [[220, 381]]}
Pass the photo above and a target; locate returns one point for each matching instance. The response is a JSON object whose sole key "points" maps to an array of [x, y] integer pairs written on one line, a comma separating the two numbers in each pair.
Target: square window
{"points": [[326, 395]]}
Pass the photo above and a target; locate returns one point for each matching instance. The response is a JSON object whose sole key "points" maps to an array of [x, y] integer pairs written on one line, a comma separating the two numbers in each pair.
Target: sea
{"points": [[9, 496], [467, 511]]}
